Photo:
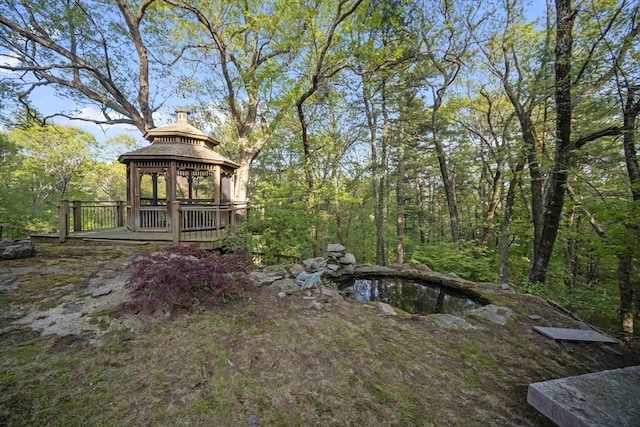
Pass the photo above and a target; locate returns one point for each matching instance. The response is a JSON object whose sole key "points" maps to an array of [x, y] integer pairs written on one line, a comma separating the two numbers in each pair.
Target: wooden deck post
{"points": [[175, 221], [232, 219], [217, 220], [63, 221], [77, 216], [120, 213]]}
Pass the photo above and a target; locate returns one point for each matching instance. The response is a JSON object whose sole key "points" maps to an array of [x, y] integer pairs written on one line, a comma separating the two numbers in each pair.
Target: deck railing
{"points": [[184, 221], [89, 216], [10, 231]]}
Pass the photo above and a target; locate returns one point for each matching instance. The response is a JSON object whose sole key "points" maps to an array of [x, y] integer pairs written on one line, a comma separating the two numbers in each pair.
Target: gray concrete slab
{"points": [[567, 334], [602, 399]]}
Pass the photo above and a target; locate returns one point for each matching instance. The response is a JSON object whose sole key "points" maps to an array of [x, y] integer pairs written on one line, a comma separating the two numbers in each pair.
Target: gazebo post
{"points": [[154, 182], [190, 184], [175, 221], [216, 184], [134, 202]]}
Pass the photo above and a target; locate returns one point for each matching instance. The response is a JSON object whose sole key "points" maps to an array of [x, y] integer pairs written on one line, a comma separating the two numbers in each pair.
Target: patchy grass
{"points": [[280, 362]]}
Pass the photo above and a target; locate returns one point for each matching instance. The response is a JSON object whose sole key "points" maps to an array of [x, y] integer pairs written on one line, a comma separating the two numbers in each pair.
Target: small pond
{"points": [[409, 295]]}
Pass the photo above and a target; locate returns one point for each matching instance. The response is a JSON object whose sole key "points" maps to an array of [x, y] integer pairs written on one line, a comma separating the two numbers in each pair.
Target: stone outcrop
{"points": [[15, 249], [493, 313]]}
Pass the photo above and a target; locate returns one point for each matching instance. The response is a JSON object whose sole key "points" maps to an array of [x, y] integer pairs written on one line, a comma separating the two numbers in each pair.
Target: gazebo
{"points": [[178, 183]]}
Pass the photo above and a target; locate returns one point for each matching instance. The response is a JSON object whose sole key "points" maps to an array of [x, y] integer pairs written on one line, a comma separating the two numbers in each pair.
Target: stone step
{"points": [[567, 334], [607, 398]]}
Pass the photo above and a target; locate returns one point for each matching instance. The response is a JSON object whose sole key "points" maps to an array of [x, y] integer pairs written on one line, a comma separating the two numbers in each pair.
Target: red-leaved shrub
{"points": [[183, 276]]}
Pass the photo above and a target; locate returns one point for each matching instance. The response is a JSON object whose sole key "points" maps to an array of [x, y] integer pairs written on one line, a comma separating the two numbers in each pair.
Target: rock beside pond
{"points": [[373, 270], [15, 249], [449, 321], [348, 259], [386, 309], [339, 262], [335, 248], [314, 263], [493, 313], [335, 263]]}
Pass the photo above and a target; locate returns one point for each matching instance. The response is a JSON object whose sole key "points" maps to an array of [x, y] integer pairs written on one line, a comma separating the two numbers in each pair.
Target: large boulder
{"points": [[15, 249], [348, 259]]}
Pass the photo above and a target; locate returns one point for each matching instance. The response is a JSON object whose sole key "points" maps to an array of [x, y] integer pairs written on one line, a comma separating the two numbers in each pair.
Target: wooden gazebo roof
{"points": [[180, 152], [179, 141]]}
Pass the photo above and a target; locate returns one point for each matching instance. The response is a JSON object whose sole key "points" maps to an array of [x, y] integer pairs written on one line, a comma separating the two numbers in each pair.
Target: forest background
{"points": [[493, 139]]}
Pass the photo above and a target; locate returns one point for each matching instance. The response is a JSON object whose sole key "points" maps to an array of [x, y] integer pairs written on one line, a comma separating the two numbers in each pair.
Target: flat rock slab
{"points": [[386, 309], [607, 398], [566, 334], [494, 313], [449, 321]]}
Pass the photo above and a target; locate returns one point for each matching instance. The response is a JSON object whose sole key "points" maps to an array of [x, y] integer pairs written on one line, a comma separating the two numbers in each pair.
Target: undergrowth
{"points": [[594, 304], [462, 259], [183, 277]]}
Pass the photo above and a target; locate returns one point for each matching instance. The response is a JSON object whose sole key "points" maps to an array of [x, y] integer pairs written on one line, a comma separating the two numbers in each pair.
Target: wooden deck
{"points": [[120, 235]]}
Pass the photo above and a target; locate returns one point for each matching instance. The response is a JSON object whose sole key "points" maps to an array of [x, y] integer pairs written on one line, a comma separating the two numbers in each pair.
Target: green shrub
{"points": [[462, 260]]}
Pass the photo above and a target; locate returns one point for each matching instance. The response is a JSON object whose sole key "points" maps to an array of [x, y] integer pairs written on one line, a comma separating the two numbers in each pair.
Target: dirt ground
{"points": [[68, 358]]}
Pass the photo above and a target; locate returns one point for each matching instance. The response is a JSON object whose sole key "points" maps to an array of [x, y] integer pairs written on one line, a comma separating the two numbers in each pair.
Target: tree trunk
{"points": [[537, 200], [628, 310], [376, 171], [382, 215], [446, 181], [570, 250], [555, 190], [246, 154], [308, 170], [335, 181], [629, 290], [421, 210], [487, 229], [400, 202], [503, 269]]}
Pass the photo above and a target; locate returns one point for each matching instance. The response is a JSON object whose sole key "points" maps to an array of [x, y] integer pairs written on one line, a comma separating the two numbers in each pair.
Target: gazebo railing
{"points": [[197, 222], [182, 221], [90, 215], [153, 218]]}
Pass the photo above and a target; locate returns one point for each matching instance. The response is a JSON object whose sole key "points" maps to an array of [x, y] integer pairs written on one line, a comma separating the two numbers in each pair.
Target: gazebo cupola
{"points": [[180, 165]]}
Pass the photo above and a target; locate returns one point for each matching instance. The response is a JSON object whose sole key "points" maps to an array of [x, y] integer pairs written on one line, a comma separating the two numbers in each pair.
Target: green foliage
{"points": [[594, 304], [41, 165], [285, 232], [462, 260]]}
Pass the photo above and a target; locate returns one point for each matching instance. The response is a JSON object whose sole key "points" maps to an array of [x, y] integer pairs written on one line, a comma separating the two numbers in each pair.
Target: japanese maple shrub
{"points": [[181, 277]]}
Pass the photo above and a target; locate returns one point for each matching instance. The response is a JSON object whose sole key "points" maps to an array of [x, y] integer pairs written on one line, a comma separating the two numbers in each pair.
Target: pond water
{"points": [[409, 295]]}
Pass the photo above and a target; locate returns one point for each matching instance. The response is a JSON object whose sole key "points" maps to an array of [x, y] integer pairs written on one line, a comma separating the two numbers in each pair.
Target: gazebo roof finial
{"points": [[182, 115]]}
